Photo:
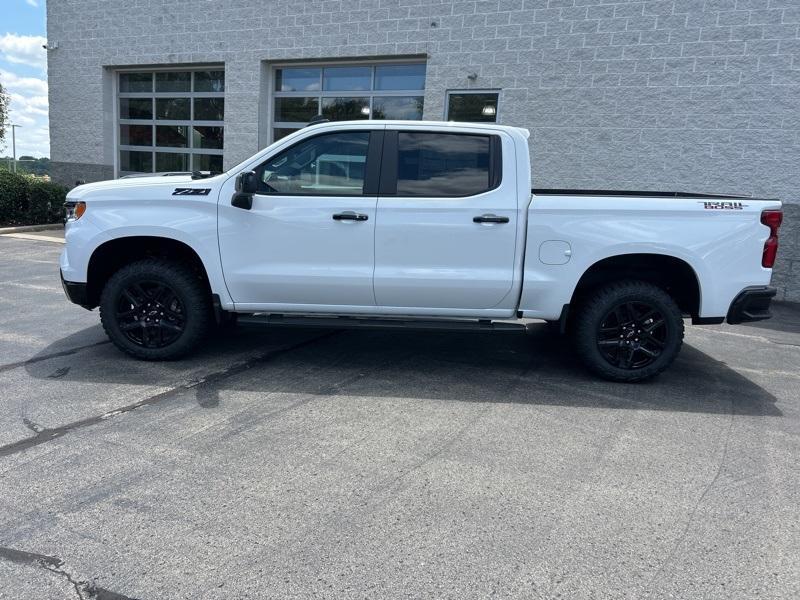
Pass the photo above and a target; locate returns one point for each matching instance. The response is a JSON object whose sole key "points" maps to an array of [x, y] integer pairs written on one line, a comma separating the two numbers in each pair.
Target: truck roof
{"points": [[423, 124]]}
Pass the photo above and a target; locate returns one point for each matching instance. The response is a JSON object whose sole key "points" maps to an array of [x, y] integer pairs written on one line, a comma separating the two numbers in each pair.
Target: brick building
{"points": [[694, 95]]}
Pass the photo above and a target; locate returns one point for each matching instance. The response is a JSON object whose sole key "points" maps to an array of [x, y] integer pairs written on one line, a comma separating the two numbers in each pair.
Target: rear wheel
{"points": [[155, 309], [628, 331]]}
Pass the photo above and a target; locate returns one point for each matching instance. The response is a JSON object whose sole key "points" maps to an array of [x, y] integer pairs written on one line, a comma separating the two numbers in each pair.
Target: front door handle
{"points": [[350, 216], [490, 219]]}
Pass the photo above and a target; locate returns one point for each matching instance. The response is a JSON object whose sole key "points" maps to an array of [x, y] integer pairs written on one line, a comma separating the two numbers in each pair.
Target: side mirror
{"points": [[247, 182], [246, 186]]}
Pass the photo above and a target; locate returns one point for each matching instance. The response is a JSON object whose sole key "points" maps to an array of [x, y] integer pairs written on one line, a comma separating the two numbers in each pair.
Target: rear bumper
{"points": [[752, 304], [76, 292]]}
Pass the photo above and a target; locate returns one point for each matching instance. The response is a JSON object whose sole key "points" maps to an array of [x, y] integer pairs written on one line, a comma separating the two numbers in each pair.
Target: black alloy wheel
{"points": [[627, 330], [150, 314], [632, 335], [156, 309]]}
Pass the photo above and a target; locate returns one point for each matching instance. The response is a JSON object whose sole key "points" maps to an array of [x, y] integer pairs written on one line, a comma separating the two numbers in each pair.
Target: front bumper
{"points": [[752, 304], [76, 292]]}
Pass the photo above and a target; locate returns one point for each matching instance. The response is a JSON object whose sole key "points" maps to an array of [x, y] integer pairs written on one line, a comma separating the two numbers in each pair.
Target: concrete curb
{"points": [[25, 228]]}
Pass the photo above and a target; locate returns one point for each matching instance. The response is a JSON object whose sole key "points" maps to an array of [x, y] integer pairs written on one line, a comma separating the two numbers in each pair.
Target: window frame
{"points": [[320, 93], [391, 158], [476, 92], [154, 121], [372, 165]]}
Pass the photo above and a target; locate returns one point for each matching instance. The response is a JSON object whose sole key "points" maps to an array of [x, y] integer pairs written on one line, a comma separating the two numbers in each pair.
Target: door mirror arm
{"points": [[246, 187]]}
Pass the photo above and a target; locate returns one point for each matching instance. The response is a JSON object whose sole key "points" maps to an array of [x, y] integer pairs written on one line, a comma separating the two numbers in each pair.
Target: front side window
{"points": [[332, 164], [442, 164]]}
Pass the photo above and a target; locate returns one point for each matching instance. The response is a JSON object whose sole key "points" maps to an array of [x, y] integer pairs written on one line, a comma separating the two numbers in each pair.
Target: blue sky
{"points": [[23, 73]]}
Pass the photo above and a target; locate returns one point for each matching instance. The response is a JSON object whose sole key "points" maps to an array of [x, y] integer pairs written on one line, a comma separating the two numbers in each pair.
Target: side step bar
{"points": [[347, 322]]}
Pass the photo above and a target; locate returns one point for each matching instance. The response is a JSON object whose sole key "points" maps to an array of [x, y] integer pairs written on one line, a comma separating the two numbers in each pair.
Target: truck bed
{"points": [[633, 193]]}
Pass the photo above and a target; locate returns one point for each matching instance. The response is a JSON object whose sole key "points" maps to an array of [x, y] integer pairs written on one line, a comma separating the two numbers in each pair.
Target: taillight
{"points": [[773, 220]]}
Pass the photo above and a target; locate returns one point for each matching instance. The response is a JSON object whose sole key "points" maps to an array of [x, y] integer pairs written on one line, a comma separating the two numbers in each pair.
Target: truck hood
{"points": [[156, 181]]}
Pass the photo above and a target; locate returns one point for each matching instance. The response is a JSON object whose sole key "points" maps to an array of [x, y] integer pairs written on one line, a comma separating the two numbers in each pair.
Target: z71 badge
{"points": [[723, 205], [191, 191]]}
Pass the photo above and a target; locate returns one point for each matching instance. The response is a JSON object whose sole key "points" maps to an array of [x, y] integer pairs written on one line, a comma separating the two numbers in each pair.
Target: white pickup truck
{"points": [[425, 224]]}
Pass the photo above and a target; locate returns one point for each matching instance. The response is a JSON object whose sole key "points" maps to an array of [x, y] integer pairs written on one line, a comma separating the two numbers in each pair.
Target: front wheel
{"points": [[155, 309], [628, 331]]}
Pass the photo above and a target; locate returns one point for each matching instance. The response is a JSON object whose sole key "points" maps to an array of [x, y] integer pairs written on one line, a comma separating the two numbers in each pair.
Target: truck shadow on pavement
{"points": [[536, 368]]}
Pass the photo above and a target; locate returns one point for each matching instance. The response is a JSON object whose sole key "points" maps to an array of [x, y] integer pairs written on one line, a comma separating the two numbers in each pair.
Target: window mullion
{"points": [[211, 78]]}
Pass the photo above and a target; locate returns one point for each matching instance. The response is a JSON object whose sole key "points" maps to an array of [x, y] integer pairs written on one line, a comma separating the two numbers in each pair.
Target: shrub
{"points": [[25, 200]]}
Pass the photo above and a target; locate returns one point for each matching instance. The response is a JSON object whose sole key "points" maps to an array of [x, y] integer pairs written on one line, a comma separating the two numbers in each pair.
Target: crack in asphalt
{"points": [[83, 590], [690, 519], [47, 434], [43, 357]]}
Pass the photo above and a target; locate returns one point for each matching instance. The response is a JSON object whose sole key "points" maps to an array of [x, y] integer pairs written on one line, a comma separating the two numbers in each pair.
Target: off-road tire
{"points": [[590, 315], [189, 289]]}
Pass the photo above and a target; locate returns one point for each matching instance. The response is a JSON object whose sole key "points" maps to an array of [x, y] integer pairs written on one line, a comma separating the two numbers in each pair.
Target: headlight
{"points": [[74, 210]]}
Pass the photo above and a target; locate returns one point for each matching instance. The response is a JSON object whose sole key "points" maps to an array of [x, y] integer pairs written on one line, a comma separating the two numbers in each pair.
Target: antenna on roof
{"points": [[317, 120]]}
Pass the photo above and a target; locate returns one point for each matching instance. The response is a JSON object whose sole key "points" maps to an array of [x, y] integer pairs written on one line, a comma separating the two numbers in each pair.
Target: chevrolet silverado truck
{"points": [[425, 224]]}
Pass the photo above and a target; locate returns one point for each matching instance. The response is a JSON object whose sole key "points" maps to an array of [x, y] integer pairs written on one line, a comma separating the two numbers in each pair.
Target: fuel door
{"points": [[555, 252]]}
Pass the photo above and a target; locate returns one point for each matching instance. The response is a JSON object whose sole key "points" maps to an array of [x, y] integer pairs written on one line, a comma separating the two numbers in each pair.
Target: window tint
{"points": [[442, 164], [173, 82], [346, 79], [407, 108], [400, 77], [209, 81], [472, 107], [325, 165]]}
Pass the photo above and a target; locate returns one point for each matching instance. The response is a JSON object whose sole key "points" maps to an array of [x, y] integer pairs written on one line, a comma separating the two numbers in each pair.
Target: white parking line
{"points": [[34, 237]]}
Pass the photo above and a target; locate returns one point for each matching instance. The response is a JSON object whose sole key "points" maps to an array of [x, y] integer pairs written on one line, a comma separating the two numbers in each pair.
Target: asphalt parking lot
{"points": [[290, 463]]}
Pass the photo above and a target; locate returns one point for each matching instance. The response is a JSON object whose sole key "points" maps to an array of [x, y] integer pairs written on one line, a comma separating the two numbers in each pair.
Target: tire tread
{"points": [[195, 298], [584, 334]]}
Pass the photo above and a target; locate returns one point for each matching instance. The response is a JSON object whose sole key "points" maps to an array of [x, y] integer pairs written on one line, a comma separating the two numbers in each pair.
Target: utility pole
{"points": [[14, 143]]}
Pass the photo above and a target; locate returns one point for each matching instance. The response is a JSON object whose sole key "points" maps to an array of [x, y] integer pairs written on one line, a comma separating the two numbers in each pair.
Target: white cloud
{"points": [[12, 81], [28, 108], [33, 3], [24, 50]]}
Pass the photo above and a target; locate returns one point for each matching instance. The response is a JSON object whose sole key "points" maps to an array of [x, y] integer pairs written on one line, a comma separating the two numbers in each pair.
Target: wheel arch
{"points": [[113, 254], [672, 274]]}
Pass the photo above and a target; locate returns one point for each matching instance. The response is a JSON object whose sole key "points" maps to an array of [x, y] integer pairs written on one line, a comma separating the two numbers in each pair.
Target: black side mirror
{"points": [[246, 186], [247, 182]]}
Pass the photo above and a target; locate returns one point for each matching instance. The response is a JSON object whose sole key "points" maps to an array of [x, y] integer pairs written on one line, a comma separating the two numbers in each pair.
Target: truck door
{"points": [[308, 240], [447, 221]]}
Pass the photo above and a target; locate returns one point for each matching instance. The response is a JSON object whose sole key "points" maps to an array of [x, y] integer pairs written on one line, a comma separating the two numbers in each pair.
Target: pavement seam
{"points": [[36, 359], [47, 434], [83, 590], [690, 519]]}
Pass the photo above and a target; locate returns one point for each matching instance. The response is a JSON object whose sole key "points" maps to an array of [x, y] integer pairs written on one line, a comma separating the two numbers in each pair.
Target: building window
{"points": [[171, 120], [346, 92], [472, 106]]}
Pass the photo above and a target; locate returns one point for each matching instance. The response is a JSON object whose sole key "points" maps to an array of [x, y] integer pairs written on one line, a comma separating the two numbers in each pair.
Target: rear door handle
{"points": [[350, 216], [490, 219]]}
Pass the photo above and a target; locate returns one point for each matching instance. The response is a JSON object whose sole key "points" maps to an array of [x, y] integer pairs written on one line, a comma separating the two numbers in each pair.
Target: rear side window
{"points": [[445, 164]]}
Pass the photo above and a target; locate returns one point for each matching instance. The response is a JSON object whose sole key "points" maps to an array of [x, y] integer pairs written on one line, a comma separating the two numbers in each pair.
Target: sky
{"points": [[23, 74]]}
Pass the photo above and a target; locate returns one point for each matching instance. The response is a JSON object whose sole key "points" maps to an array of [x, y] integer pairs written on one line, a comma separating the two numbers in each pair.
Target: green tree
{"points": [[4, 100]]}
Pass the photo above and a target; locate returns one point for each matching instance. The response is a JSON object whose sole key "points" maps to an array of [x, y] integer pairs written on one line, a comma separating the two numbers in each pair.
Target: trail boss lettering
{"points": [[723, 205]]}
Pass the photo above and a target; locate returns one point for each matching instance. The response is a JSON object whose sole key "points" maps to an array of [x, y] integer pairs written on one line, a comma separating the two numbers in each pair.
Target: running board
{"points": [[346, 322]]}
